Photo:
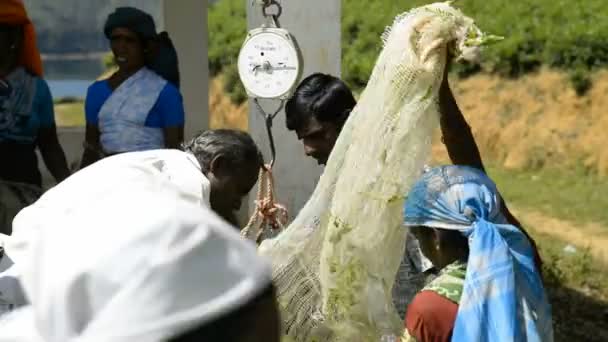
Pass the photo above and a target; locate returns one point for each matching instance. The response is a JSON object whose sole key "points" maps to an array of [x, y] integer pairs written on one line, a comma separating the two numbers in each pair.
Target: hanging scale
{"points": [[269, 66]]}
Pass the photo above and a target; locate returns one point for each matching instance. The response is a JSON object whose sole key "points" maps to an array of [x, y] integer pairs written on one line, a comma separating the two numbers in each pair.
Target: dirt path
{"points": [[592, 235]]}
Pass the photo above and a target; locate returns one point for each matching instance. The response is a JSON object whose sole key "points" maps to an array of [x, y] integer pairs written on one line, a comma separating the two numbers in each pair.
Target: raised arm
{"points": [[456, 132], [461, 146]]}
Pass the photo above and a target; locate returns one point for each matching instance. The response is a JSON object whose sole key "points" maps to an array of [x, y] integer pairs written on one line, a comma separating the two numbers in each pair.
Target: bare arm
{"points": [[92, 146], [462, 148], [52, 153], [456, 132], [173, 136]]}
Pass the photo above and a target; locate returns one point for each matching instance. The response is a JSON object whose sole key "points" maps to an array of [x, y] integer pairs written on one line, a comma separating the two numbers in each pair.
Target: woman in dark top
{"points": [[27, 119]]}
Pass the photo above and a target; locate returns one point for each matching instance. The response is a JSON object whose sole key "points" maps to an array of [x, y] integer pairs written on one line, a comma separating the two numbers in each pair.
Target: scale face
{"points": [[269, 63]]}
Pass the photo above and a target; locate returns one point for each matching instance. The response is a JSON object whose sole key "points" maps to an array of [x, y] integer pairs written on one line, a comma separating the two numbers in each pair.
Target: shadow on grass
{"points": [[577, 316]]}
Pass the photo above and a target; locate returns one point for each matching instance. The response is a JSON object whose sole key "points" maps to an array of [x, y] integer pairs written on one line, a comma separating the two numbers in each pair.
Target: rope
{"points": [[268, 216]]}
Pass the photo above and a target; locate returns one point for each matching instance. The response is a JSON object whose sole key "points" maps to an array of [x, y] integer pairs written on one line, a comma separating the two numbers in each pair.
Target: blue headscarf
{"points": [[503, 298]]}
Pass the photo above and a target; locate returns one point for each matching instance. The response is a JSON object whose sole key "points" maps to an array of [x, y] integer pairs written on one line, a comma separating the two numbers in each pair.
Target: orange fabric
{"points": [[12, 12], [431, 317]]}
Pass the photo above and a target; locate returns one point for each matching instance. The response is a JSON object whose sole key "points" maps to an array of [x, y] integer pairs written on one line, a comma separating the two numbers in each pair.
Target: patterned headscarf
{"points": [[503, 297]]}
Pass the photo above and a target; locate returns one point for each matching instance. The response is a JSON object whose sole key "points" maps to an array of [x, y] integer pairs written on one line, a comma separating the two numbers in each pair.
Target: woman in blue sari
{"points": [[489, 287], [139, 107]]}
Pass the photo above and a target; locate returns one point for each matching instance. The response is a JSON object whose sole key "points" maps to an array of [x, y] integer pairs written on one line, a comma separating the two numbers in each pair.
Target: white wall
{"points": [[186, 22]]}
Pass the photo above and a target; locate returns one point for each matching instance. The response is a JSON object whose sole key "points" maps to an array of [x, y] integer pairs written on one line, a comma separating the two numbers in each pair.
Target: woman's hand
{"points": [[52, 153], [92, 148]]}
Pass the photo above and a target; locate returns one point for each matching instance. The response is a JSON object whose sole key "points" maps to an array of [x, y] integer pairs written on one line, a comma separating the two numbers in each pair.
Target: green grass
{"points": [[565, 194], [576, 270], [69, 114]]}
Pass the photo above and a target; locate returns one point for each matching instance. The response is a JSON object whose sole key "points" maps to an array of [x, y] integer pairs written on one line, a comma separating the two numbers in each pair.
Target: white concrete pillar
{"points": [[186, 22], [316, 27]]}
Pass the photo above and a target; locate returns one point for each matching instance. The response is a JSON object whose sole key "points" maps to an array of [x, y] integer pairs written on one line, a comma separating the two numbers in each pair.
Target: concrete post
{"points": [[186, 22], [316, 27]]}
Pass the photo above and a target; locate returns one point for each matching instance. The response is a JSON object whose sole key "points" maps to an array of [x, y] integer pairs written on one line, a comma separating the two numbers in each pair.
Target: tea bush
{"points": [[563, 34]]}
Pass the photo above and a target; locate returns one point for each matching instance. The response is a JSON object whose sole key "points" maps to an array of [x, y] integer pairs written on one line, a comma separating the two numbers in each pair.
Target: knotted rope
{"points": [[268, 215]]}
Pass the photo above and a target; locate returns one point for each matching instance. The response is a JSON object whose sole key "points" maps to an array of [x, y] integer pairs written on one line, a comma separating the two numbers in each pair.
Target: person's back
{"points": [[153, 267], [118, 172]]}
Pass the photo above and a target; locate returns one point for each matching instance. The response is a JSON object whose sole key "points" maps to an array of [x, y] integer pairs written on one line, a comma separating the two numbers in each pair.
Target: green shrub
{"points": [[233, 85], [557, 33], [580, 77], [227, 30], [108, 61], [563, 34]]}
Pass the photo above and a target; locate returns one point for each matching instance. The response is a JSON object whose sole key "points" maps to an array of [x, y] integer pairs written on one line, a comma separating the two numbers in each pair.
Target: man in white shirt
{"points": [[216, 169], [137, 259]]}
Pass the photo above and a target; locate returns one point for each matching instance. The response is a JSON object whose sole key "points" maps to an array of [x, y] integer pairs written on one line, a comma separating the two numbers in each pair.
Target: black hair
{"points": [[132, 18], [237, 147], [232, 326], [453, 239], [325, 97]]}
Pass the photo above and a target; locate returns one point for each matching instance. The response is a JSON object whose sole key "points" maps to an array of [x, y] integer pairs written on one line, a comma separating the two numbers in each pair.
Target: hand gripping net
{"points": [[334, 266]]}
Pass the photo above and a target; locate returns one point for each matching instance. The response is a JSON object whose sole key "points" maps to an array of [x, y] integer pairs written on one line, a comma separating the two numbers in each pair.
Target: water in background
{"points": [[69, 88], [71, 78]]}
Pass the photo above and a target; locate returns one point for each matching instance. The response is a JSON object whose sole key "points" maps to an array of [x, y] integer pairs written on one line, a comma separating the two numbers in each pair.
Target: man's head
{"points": [[317, 111], [231, 161]]}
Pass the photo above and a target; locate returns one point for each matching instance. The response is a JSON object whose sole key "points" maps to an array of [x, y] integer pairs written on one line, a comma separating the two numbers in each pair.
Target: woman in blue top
{"points": [[139, 107], [27, 120]]}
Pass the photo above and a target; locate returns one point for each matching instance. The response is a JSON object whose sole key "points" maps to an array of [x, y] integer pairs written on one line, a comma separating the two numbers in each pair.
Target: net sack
{"points": [[335, 265]]}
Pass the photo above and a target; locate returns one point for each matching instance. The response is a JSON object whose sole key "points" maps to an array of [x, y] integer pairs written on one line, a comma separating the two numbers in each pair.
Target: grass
{"points": [[576, 269], [577, 286], [69, 114], [565, 194]]}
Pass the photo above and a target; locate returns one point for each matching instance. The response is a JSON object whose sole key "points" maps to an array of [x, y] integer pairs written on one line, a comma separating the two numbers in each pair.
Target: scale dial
{"points": [[269, 63]]}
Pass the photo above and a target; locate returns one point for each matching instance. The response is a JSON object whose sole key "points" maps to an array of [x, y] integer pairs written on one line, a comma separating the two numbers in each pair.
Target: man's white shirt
{"points": [[181, 169]]}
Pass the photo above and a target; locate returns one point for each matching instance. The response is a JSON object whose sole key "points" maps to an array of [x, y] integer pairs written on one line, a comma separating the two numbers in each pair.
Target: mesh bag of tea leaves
{"points": [[335, 265]]}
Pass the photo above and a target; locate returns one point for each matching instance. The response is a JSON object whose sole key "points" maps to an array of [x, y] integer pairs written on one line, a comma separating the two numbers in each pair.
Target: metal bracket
{"points": [[268, 118]]}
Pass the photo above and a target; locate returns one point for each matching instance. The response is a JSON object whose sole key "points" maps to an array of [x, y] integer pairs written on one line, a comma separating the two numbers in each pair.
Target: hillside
{"points": [[538, 120], [568, 36], [540, 141]]}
